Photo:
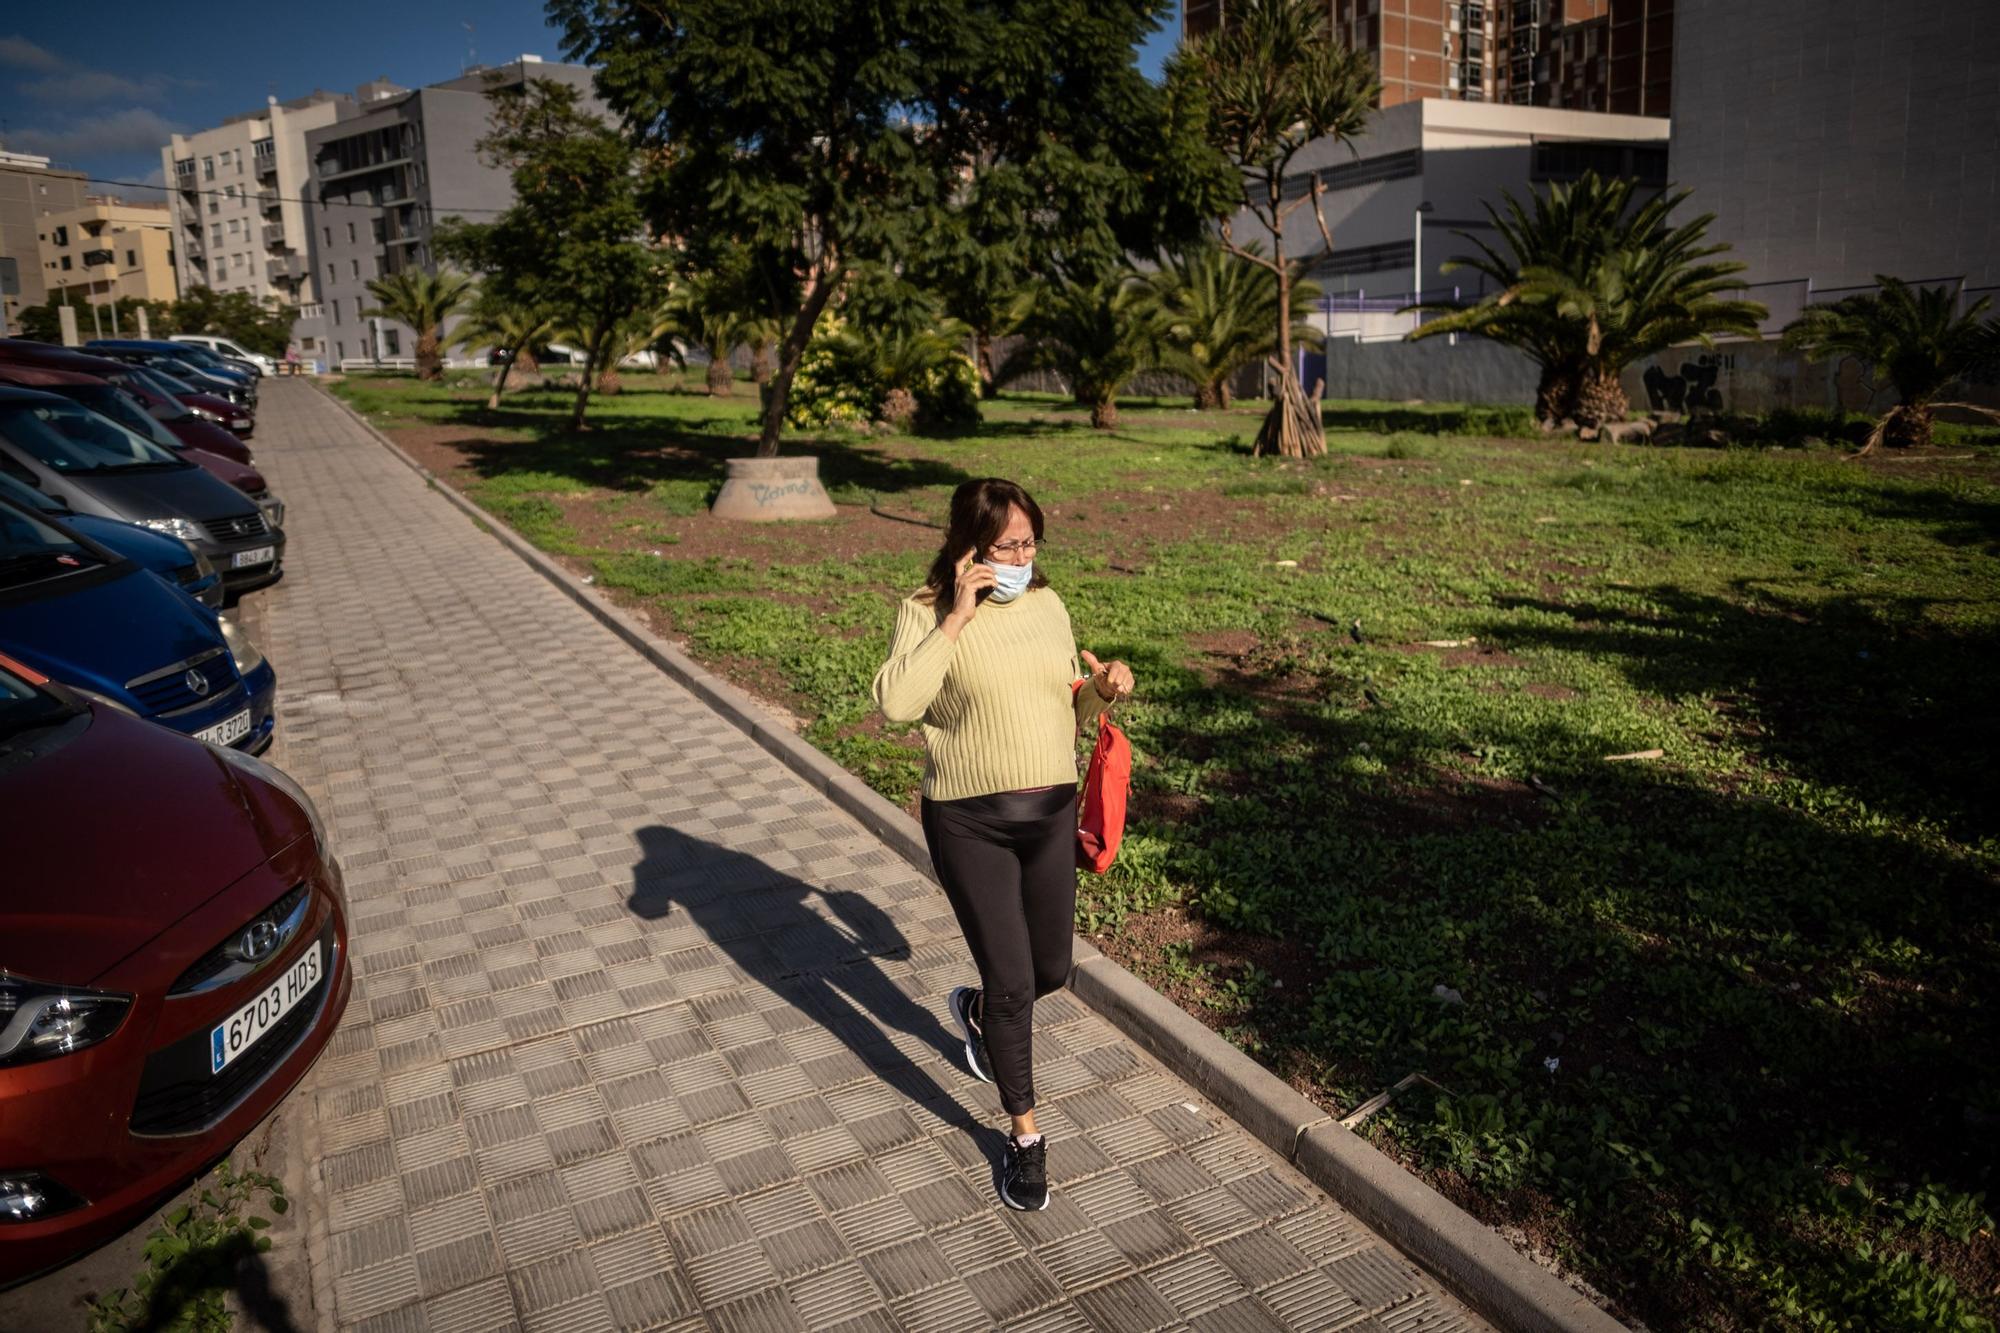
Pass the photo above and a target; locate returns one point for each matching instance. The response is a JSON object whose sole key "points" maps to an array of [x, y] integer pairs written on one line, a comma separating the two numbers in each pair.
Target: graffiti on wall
{"points": [[1693, 390]]}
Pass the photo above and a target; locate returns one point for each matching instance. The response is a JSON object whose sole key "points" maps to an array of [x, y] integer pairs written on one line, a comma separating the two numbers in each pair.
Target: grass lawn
{"points": [[1717, 1026]]}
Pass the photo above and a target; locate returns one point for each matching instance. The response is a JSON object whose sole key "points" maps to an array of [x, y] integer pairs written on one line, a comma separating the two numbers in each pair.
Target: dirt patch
{"points": [[1545, 691]]}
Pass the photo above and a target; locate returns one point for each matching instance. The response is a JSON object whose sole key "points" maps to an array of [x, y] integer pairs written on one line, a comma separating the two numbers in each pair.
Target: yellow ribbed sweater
{"points": [[995, 703]]}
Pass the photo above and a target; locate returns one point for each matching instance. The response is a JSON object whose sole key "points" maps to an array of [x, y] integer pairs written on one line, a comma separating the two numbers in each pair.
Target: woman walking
{"points": [[984, 656]]}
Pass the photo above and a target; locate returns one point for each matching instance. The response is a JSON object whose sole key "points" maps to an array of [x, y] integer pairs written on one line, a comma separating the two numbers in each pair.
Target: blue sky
{"points": [[102, 95]]}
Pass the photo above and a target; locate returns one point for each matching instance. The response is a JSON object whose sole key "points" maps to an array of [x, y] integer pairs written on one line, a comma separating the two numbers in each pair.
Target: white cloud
{"points": [[133, 130], [20, 53], [86, 86]]}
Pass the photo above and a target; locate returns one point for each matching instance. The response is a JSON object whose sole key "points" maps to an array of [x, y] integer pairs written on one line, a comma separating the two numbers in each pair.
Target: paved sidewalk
{"points": [[648, 1034]]}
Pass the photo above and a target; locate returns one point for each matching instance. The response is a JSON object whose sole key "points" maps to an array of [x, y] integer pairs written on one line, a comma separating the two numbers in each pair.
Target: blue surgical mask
{"points": [[1010, 581]]}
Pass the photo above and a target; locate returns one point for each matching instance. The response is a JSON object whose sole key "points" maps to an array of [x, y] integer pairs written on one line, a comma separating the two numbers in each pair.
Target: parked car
{"points": [[108, 400], [80, 612], [166, 986], [176, 395], [192, 362], [96, 466], [233, 351], [174, 560]]}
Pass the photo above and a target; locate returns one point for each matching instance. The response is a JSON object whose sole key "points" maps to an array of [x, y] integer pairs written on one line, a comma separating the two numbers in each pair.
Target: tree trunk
{"points": [[430, 361], [1555, 395], [524, 360], [608, 381], [1600, 398], [583, 381], [1223, 395], [1207, 397], [1292, 428], [982, 360], [789, 356], [721, 379], [1104, 414], [1907, 427], [760, 362], [500, 383]]}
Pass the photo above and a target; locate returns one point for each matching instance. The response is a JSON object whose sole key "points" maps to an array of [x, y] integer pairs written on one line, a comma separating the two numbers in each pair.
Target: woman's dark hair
{"points": [[979, 511]]}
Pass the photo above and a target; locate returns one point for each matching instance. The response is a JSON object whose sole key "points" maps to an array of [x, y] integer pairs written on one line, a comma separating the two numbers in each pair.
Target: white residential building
{"points": [[240, 224]]}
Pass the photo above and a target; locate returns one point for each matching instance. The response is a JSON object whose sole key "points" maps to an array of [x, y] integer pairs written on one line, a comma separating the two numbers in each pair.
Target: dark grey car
{"points": [[96, 466]]}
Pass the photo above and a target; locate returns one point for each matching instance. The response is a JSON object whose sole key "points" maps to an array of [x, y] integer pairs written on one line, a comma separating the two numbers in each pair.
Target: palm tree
{"points": [[1911, 338], [1589, 284], [423, 302], [1220, 314], [898, 363], [709, 313], [1097, 335], [1269, 84], [511, 331]]}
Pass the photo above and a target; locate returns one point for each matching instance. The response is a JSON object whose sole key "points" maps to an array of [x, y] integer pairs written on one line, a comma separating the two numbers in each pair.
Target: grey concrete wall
{"points": [[1838, 139], [1473, 371]]}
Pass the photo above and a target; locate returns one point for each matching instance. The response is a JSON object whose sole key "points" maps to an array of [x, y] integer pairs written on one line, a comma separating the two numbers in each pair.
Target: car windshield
{"points": [[21, 493], [71, 438], [168, 382], [113, 403], [200, 356], [31, 551], [156, 398], [24, 707]]}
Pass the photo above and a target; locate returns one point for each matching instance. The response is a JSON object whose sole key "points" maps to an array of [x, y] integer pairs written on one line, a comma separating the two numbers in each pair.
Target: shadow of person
{"points": [[817, 947]]}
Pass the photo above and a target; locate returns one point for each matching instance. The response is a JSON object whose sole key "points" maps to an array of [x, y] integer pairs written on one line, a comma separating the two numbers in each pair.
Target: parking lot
{"points": [[646, 1032]]}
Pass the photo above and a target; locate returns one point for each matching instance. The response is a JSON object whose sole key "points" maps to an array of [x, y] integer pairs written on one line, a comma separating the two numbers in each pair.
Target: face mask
{"points": [[1010, 581]]}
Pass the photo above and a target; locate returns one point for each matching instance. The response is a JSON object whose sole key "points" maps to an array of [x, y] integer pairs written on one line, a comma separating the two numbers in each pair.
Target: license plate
{"points": [[256, 555], [228, 731], [254, 1021]]}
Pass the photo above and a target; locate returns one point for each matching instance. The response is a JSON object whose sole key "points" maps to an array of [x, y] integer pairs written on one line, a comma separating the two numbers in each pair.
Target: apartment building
{"points": [[380, 182], [238, 199], [1831, 151], [1425, 171], [108, 250], [31, 189], [1592, 55]]}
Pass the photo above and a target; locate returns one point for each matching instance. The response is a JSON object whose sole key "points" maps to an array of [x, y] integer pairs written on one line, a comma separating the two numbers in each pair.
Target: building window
{"points": [[65, 263], [392, 342], [236, 226], [306, 343], [214, 206], [332, 275], [131, 259], [350, 233], [336, 310], [221, 267], [355, 265], [62, 235], [208, 168], [215, 234], [329, 233], [340, 351]]}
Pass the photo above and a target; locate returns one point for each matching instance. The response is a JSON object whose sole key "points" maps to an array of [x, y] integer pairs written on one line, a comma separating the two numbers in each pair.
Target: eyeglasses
{"points": [[1014, 548]]}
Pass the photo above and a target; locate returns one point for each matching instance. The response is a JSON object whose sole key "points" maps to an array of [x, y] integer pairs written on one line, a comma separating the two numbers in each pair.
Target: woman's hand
{"points": [[972, 580], [1112, 680]]}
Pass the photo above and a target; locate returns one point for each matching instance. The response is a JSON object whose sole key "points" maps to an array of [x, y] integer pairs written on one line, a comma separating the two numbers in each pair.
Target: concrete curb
{"points": [[1469, 1259]]}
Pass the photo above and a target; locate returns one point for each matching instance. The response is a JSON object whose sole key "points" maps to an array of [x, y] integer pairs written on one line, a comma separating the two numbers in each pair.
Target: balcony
{"points": [[286, 270], [264, 157], [274, 233]]}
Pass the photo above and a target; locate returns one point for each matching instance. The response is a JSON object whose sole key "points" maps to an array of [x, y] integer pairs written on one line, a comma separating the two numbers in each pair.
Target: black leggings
{"points": [[1008, 865]]}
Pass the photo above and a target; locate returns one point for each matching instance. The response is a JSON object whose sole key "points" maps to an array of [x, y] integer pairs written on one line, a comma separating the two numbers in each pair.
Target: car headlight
{"points": [[282, 780], [41, 1022], [207, 415], [185, 529], [203, 566], [246, 653]]}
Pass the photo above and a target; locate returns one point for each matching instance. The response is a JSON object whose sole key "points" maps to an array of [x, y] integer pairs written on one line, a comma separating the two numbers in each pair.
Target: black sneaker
{"points": [[1024, 1177], [964, 1003]]}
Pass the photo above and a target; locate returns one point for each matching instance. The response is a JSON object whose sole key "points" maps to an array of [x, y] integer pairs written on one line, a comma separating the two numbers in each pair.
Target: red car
{"points": [[202, 420], [161, 990], [109, 400]]}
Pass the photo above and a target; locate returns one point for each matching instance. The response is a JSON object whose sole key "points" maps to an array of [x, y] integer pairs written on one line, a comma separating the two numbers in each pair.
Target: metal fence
{"points": [[1385, 317]]}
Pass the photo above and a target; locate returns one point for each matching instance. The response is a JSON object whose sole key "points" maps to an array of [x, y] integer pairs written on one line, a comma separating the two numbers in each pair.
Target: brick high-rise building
{"points": [[1586, 55]]}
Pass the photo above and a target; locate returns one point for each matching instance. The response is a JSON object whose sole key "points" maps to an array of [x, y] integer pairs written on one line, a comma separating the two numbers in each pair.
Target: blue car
{"points": [[174, 560], [77, 611], [190, 358]]}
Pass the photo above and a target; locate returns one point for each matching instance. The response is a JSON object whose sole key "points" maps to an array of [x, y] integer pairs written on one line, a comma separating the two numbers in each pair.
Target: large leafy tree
{"points": [[1590, 280], [1096, 335], [575, 241], [1219, 313], [422, 302], [833, 132], [1265, 87], [1914, 339]]}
